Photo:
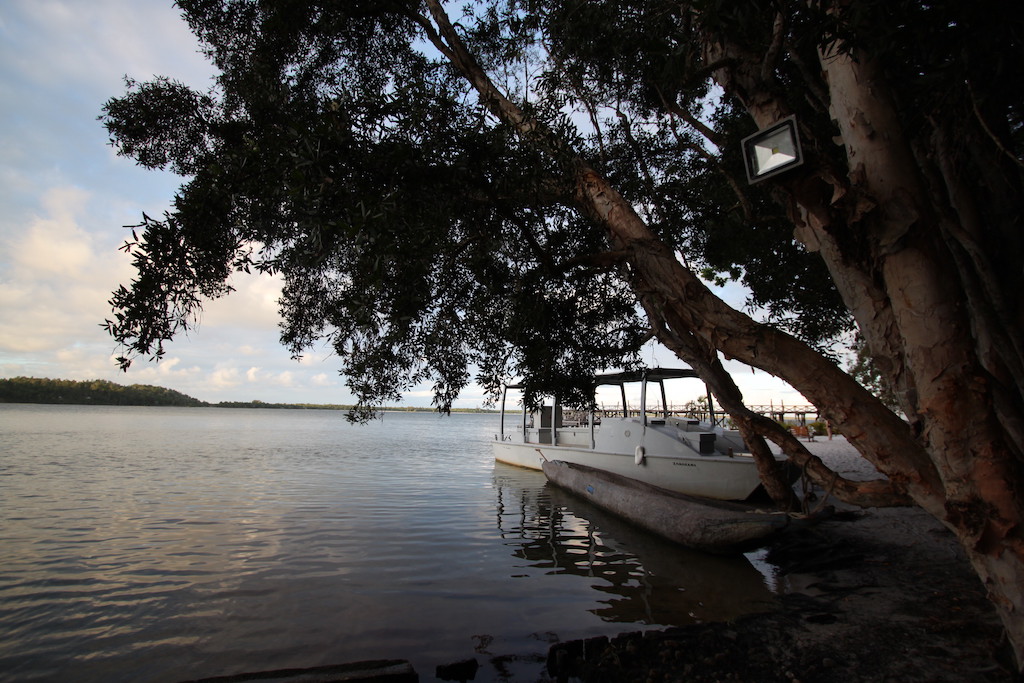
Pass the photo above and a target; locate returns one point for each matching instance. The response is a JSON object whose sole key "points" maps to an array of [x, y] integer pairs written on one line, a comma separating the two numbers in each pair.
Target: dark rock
{"points": [[458, 671], [375, 671]]}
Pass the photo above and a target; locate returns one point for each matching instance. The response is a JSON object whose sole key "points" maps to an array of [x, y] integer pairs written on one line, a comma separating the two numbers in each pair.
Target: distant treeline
{"points": [[94, 392], [102, 392], [336, 406], [280, 406]]}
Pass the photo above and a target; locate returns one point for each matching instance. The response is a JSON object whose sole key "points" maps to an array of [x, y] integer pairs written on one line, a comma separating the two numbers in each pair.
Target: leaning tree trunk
{"points": [[954, 459], [756, 428], [703, 358]]}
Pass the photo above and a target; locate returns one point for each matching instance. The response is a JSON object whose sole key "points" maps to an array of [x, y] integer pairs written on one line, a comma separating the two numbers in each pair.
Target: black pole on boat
{"points": [[664, 400], [554, 421], [525, 418], [590, 421], [501, 428]]}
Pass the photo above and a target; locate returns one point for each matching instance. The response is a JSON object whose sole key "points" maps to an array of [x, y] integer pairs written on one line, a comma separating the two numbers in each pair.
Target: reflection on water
{"points": [[151, 544], [643, 579]]}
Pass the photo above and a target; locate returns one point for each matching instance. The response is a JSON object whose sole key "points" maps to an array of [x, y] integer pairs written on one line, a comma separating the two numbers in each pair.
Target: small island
{"points": [[90, 392], [106, 393]]}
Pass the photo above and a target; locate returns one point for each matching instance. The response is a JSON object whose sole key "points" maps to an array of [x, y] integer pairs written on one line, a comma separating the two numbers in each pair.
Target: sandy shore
{"points": [[872, 595]]}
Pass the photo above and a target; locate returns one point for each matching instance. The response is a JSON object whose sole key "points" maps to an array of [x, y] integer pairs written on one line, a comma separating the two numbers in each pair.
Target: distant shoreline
{"points": [[102, 392], [331, 406]]}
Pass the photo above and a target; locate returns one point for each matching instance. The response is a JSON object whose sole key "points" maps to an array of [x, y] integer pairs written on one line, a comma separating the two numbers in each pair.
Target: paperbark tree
{"points": [[427, 218], [918, 250]]}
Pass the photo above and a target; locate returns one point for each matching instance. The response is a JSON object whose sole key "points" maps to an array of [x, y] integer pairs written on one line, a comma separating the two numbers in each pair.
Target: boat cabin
{"points": [[549, 424]]}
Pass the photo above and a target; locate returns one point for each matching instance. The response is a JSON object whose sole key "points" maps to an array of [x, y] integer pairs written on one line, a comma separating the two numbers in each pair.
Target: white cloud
{"points": [[419, 393], [170, 372], [55, 243], [285, 379], [225, 377], [56, 276], [252, 305], [323, 380], [102, 40]]}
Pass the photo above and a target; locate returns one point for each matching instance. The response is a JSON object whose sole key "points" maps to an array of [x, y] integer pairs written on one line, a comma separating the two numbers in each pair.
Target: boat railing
{"points": [[655, 412]]}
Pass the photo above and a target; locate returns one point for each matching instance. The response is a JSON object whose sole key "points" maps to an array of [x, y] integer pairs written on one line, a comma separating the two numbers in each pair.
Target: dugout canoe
{"points": [[699, 523]]}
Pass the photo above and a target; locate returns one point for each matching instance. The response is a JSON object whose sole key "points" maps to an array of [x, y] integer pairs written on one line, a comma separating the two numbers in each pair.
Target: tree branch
{"points": [[695, 123], [988, 131], [771, 57]]}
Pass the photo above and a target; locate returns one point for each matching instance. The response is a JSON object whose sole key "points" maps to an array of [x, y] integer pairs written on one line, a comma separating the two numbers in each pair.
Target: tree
{"points": [[95, 392], [533, 188]]}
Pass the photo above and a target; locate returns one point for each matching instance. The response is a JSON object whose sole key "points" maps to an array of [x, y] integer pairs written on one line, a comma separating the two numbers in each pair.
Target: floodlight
{"points": [[772, 151]]}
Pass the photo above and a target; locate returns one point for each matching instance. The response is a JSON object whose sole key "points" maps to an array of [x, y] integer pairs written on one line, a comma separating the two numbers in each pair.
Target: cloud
{"points": [[285, 379], [56, 276], [323, 380], [171, 371], [253, 304], [225, 378], [55, 243], [101, 41]]}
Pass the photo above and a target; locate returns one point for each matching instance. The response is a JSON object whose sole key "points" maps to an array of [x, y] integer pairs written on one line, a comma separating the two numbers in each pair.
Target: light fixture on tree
{"points": [[773, 150]]}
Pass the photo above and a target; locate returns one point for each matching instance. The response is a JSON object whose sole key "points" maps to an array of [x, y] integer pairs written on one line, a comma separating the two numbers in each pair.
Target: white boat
{"points": [[690, 456]]}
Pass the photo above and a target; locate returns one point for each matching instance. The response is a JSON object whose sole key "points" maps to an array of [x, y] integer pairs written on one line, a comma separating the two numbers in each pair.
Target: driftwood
{"points": [[699, 523]]}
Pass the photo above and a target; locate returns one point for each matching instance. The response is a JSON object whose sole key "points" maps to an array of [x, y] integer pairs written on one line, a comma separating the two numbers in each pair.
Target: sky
{"points": [[65, 197]]}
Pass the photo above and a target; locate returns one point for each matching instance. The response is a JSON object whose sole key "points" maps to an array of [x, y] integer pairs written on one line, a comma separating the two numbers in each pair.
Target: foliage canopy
{"points": [[511, 189], [414, 231]]}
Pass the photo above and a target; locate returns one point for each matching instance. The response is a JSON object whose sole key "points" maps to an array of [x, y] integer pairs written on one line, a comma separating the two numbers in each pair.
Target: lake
{"points": [[166, 544]]}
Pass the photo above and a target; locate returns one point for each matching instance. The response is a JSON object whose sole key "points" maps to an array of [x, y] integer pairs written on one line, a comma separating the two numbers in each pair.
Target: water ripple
{"points": [[164, 544]]}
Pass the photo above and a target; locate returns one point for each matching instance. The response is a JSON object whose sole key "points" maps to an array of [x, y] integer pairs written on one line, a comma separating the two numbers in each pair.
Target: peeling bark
{"points": [[905, 267]]}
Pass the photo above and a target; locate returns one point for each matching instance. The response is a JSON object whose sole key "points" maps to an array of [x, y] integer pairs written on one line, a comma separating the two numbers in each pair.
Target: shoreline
{"points": [[869, 595]]}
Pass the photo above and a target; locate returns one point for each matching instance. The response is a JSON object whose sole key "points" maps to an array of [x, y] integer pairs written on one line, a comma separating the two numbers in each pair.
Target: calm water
{"points": [[163, 544]]}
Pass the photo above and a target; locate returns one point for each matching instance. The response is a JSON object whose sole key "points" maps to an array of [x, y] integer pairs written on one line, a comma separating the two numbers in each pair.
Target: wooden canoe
{"points": [[703, 524]]}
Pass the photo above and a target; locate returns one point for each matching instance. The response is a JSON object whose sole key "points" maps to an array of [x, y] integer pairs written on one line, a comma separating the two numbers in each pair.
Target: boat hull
{"points": [[720, 477], [706, 525]]}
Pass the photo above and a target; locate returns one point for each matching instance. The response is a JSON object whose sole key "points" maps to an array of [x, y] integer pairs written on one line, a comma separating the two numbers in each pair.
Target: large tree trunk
{"points": [[886, 240], [942, 347], [881, 436]]}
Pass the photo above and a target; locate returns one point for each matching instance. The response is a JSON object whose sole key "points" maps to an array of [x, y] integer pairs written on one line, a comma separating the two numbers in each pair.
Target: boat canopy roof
{"points": [[650, 374]]}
